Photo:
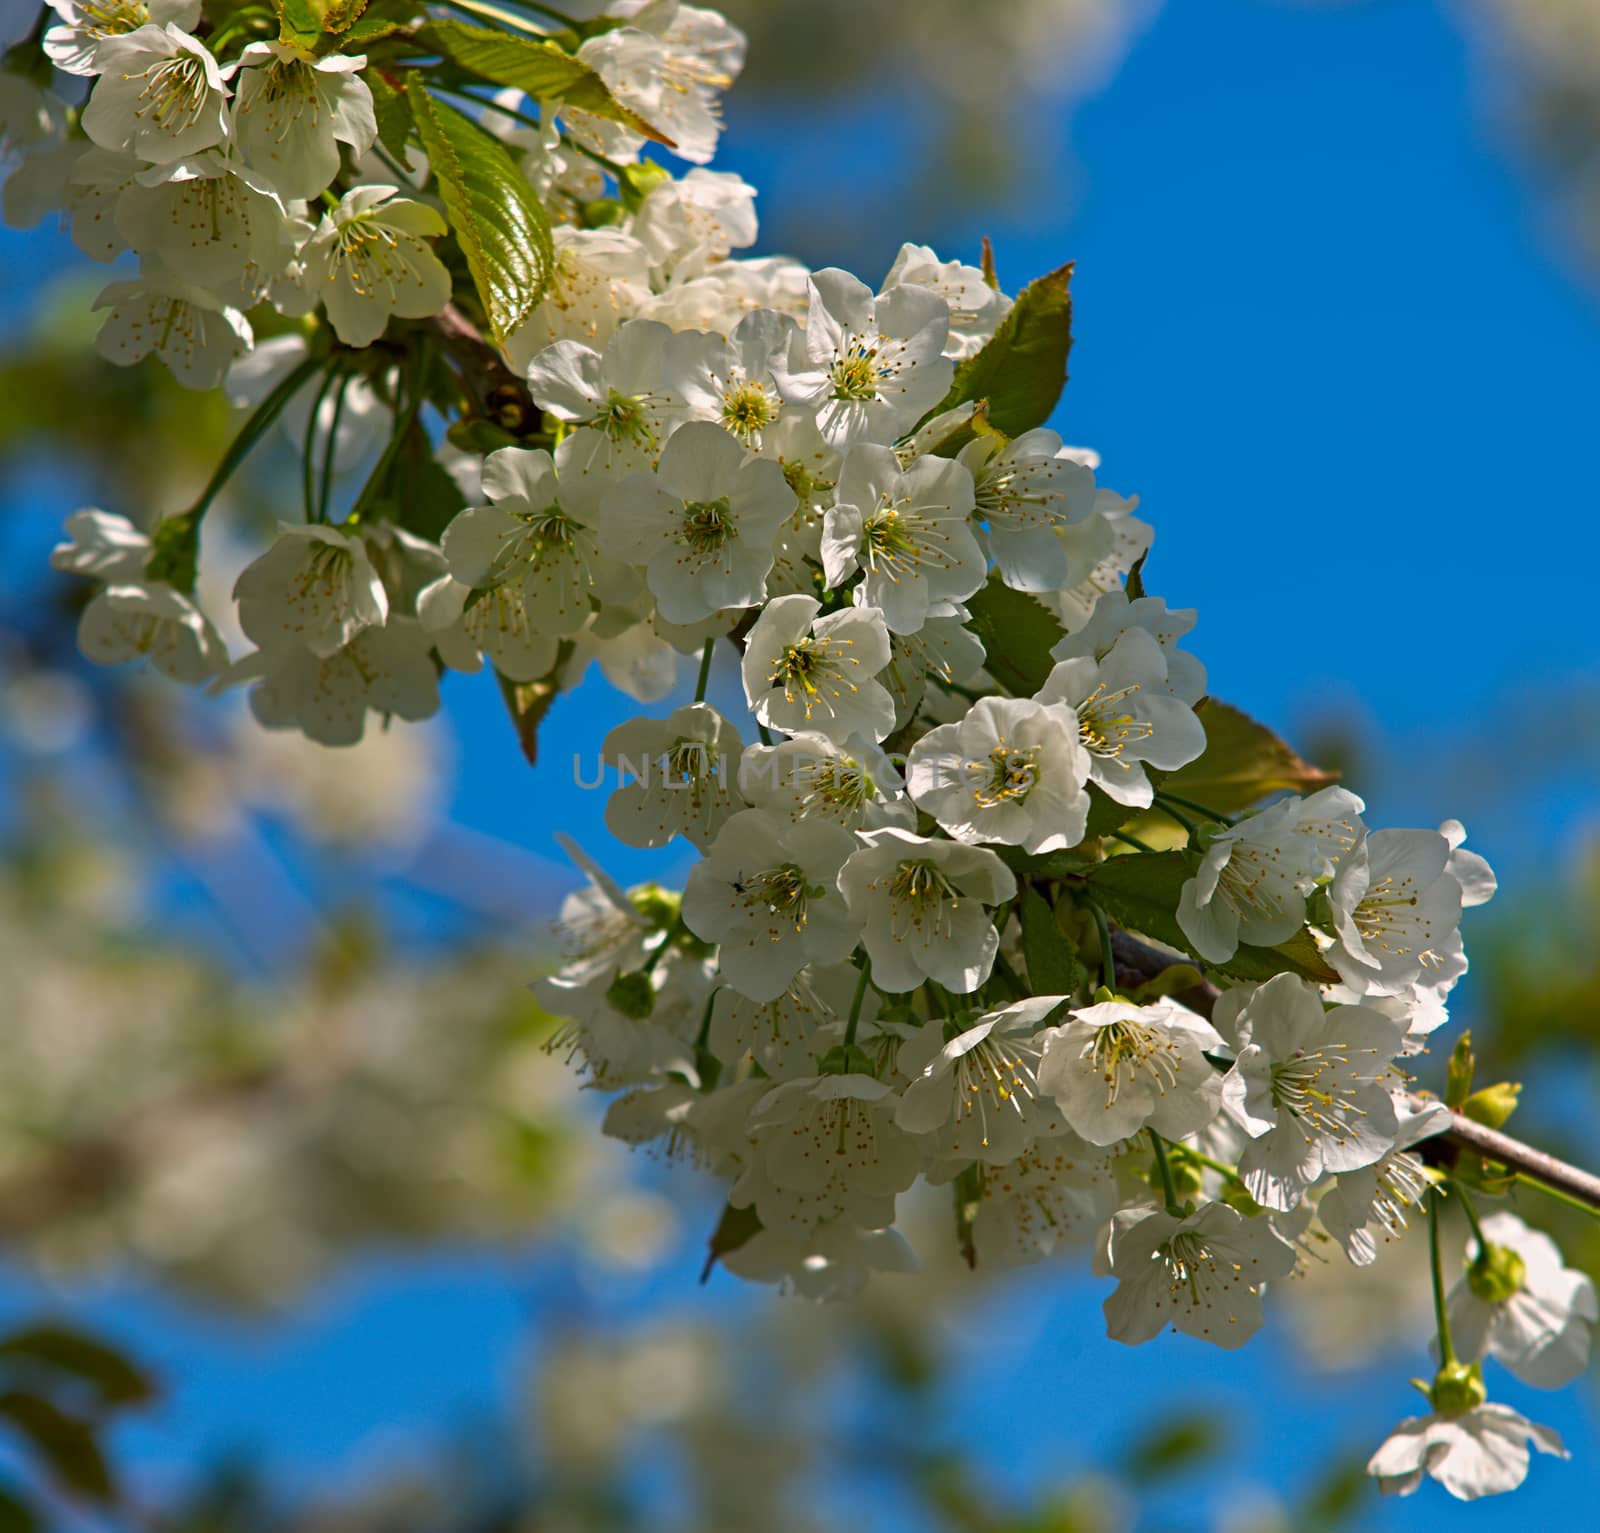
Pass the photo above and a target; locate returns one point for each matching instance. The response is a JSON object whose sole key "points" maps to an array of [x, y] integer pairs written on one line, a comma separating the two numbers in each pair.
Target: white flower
{"points": [[196, 334], [730, 290], [1251, 885], [830, 1261], [1308, 1087], [103, 545], [1060, 1190], [732, 381], [943, 649], [907, 530], [370, 259], [389, 670], [601, 277], [1519, 1303], [703, 525], [677, 777], [787, 1034], [1026, 492], [496, 623], [1100, 552], [833, 1137], [31, 117], [853, 784], [160, 95], [1114, 614], [152, 621], [72, 43], [1478, 1452], [688, 225], [621, 393], [603, 930], [1202, 1274], [1381, 1194], [315, 588], [650, 1035], [808, 673], [977, 1097], [976, 309], [539, 533], [1126, 716], [921, 903], [292, 110], [766, 893], [870, 367], [1012, 771], [1115, 1069], [209, 222], [1397, 913], [670, 66]]}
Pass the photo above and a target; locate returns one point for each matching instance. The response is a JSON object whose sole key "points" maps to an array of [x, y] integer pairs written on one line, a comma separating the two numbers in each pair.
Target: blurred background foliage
{"points": [[264, 1006]]}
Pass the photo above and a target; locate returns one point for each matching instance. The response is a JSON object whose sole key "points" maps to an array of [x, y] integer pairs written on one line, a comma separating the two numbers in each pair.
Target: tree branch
{"points": [[1142, 961]]}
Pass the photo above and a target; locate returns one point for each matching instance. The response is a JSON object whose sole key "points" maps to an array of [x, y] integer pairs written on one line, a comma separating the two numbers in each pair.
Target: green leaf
{"points": [[1054, 967], [1140, 893], [393, 115], [1458, 1071], [1023, 368], [539, 69], [67, 1446], [1243, 762], [16, 1516], [502, 230], [114, 1380], [1017, 633]]}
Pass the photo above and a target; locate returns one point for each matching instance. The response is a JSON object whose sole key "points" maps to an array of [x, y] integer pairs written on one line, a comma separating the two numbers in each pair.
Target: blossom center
{"points": [[747, 409], [1122, 1051], [707, 525], [854, 374], [1011, 776], [784, 893]]}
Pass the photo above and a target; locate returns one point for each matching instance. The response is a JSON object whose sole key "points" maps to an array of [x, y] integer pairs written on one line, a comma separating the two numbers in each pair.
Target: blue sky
{"points": [[1330, 334]]}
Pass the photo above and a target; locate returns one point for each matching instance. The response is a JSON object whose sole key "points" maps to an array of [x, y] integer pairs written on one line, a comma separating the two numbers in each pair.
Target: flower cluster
{"points": [[969, 737]]}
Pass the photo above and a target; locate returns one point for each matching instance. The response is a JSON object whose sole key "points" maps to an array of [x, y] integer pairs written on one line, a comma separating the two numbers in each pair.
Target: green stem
{"points": [[1472, 1215], [854, 1019], [1133, 841], [1178, 815], [308, 451], [1108, 961], [327, 448], [1169, 1187], [1447, 1352], [705, 670], [251, 432], [1189, 803], [402, 425], [1221, 1166], [1524, 1179]]}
